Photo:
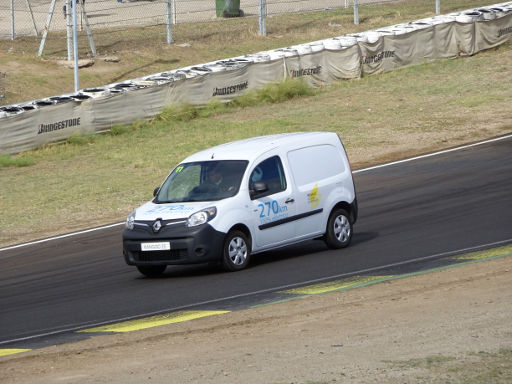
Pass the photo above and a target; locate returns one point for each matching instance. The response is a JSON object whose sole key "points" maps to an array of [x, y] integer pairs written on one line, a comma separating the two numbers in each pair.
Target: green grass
{"points": [[16, 161], [80, 139], [268, 94]]}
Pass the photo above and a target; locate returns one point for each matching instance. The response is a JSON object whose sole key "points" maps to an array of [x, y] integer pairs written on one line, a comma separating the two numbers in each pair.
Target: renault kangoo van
{"points": [[234, 200]]}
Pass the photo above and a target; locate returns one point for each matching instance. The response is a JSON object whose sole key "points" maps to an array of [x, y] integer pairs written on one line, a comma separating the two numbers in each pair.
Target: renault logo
{"points": [[157, 225]]}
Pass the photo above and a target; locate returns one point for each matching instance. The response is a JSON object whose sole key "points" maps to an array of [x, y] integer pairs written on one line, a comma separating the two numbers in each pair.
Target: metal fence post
{"points": [[262, 11], [169, 22], [438, 7], [32, 17], [75, 46], [46, 28], [88, 28], [356, 12], [69, 30], [12, 20]]}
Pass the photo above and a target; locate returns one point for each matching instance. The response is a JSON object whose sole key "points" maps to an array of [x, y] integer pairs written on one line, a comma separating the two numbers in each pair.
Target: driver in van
{"points": [[216, 179]]}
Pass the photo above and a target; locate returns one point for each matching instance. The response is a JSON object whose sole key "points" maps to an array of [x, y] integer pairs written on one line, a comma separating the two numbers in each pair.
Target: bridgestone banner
{"points": [[33, 124], [490, 35], [125, 107]]}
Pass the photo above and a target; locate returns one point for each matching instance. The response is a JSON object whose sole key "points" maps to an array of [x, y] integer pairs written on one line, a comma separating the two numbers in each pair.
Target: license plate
{"points": [[163, 246]]}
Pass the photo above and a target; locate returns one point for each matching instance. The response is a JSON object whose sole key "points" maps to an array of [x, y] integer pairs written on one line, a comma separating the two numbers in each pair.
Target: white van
{"points": [[237, 199]]}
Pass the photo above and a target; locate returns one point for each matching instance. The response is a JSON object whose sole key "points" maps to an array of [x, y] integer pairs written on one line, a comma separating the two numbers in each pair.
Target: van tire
{"points": [[236, 252], [339, 229], [152, 270]]}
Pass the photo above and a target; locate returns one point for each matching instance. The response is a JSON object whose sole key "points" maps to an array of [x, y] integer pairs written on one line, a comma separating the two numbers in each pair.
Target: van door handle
{"points": [[289, 200]]}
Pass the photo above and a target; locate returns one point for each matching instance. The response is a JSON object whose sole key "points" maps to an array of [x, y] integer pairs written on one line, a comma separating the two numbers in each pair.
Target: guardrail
{"points": [[32, 124]]}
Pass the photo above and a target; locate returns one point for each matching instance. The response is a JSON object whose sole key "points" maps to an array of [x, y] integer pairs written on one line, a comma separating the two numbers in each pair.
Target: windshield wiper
{"points": [[156, 201]]}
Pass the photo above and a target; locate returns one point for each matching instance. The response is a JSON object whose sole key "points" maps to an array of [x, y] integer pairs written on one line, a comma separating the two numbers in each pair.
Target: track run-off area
{"points": [[416, 215]]}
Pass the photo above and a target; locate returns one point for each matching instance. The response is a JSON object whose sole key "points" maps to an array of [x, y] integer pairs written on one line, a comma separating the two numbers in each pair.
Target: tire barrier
{"points": [[33, 124]]}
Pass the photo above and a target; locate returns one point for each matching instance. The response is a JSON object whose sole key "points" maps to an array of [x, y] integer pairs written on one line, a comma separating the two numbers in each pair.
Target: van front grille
{"points": [[172, 255]]}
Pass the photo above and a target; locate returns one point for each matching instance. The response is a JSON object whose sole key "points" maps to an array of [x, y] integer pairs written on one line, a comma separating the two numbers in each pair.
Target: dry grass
{"points": [[474, 368]]}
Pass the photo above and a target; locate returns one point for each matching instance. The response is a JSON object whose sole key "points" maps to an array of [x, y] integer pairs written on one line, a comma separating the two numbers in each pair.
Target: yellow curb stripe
{"points": [[7, 352], [153, 321], [335, 285], [501, 251]]}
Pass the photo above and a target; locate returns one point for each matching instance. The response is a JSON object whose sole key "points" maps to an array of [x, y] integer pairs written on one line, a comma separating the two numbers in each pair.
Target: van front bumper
{"points": [[192, 245]]}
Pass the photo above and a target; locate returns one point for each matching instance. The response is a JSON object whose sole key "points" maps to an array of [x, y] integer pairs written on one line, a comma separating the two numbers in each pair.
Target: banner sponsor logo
{"points": [[45, 128], [230, 89], [378, 57], [504, 31], [306, 71]]}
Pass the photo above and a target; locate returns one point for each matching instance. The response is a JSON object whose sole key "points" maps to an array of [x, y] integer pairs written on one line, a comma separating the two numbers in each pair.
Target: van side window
{"points": [[271, 173]]}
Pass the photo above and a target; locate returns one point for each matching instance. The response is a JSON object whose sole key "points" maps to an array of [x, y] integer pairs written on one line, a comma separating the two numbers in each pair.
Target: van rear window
{"points": [[311, 164]]}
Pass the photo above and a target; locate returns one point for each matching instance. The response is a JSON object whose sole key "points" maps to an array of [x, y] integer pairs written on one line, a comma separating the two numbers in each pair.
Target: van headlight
{"points": [[130, 220], [201, 217]]}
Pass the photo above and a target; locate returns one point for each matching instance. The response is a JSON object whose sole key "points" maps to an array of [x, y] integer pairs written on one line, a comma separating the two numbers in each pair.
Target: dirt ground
{"points": [[450, 326]]}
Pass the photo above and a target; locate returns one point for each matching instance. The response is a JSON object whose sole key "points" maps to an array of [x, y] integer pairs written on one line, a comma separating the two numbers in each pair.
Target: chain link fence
{"points": [[106, 19]]}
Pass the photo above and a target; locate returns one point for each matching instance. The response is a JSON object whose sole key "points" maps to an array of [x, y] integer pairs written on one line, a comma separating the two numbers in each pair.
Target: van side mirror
{"points": [[155, 191], [257, 188]]}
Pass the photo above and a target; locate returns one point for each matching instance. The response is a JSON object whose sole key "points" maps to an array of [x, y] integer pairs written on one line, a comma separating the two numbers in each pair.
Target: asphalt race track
{"points": [[418, 210]]}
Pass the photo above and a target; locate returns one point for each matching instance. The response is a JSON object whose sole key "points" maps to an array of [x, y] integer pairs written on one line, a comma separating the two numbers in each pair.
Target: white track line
{"points": [[358, 171], [61, 236], [435, 153]]}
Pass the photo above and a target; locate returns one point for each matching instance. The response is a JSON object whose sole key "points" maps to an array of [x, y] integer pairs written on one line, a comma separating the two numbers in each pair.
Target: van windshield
{"points": [[202, 181]]}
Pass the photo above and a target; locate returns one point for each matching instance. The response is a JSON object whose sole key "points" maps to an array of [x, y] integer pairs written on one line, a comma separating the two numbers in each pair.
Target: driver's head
{"points": [[214, 176]]}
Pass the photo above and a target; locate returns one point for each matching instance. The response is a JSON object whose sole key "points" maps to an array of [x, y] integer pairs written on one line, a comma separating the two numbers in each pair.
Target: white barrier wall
{"points": [[33, 124]]}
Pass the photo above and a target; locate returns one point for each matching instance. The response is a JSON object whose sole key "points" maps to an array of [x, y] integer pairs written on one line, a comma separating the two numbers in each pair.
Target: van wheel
{"points": [[152, 270], [237, 251], [339, 229]]}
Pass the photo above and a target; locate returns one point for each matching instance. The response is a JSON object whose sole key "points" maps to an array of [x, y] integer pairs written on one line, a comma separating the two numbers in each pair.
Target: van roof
{"points": [[251, 148]]}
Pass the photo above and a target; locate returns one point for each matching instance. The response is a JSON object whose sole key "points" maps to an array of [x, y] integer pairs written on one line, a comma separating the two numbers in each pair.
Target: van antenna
{"points": [[213, 155]]}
